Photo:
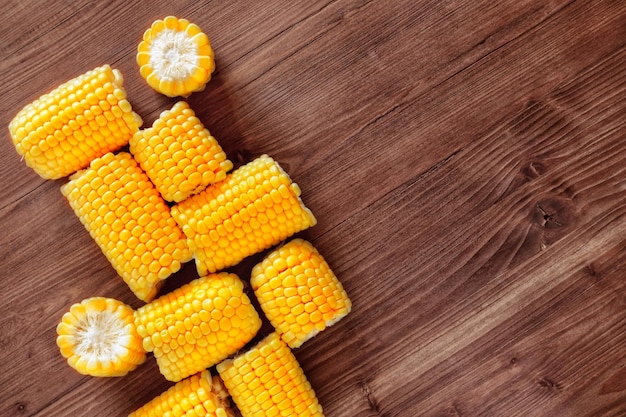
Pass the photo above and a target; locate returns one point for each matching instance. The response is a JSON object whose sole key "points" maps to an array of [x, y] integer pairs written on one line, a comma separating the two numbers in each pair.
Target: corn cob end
{"points": [[98, 337], [175, 57]]}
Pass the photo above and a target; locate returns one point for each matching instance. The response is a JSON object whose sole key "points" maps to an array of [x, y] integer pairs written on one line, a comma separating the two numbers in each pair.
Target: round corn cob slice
{"points": [[197, 325], [199, 395], [175, 57], [267, 381], [63, 131], [98, 337], [254, 208], [298, 292], [130, 222], [179, 154]]}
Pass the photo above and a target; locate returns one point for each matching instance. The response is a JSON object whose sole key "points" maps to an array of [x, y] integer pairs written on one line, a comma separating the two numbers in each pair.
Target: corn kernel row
{"points": [[200, 395], [178, 154], [130, 222], [267, 381], [254, 208], [64, 130], [197, 325], [298, 292]]}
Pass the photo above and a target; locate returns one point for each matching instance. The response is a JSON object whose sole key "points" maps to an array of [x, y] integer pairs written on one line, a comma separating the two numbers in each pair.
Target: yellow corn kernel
{"points": [[254, 208], [197, 325], [175, 57], [298, 292], [199, 396], [267, 381], [130, 222], [179, 154], [98, 337], [63, 131]]}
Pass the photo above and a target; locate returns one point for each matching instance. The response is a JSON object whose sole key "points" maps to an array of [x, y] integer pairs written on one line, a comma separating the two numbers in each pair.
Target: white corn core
{"points": [[99, 334], [174, 55]]}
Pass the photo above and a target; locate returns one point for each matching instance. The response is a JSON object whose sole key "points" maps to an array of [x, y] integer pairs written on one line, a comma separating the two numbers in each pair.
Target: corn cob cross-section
{"points": [[197, 325], [98, 337], [267, 381], [179, 154], [130, 222], [175, 57], [200, 395], [82, 119], [254, 208], [298, 292]]}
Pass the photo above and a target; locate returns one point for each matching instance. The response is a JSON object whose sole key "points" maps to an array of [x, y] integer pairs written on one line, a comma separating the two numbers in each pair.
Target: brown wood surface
{"points": [[466, 161]]}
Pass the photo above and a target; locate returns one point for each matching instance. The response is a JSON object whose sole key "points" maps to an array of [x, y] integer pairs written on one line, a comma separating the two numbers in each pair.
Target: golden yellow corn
{"points": [[98, 337], [175, 57], [82, 119], [130, 222], [298, 292], [267, 381], [197, 396], [179, 154], [254, 208], [197, 325]]}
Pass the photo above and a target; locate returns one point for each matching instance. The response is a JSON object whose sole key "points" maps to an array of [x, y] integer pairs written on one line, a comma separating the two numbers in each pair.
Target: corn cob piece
{"points": [[254, 208], [130, 222], [267, 381], [200, 395], [175, 57], [298, 292], [98, 337], [179, 154], [63, 131], [197, 325]]}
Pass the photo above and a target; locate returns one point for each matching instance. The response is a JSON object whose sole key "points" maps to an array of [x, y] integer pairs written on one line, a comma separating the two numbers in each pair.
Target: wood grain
{"points": [[466, 164]]}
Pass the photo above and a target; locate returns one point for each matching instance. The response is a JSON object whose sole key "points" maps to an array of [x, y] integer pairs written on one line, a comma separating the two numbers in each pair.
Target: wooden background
{"points": [[466, 162]]}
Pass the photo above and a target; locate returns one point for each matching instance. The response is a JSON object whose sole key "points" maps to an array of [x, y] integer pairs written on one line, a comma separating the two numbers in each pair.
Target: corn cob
{"points": [[197, 325], [179, 154], [254, 208], [175, 57], [298, 292], [98, 337], [82, 119], [267, 381], [128, 219], [199, 396]]}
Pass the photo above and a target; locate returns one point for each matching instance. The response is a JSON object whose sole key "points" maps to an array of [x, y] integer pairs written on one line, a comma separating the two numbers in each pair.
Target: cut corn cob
{"points": [[267, 381], [197, 325], [98, 337], [298, 292], [199, 396], [254, 208], [175, 57], [82, 119], [179, 154], [128, 219]]}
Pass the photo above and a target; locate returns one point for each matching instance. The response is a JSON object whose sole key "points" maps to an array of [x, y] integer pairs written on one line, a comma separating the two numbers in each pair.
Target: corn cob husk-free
{"points": [[197, 325], [175, 57], [298, 292], [254, 208], [64, 130], [179, 154], [130, 222], [98, 337], [267, 381], [200, 395]]}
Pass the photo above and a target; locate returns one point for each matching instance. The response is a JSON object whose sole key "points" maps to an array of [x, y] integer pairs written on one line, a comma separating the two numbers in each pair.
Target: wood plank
{"points": [[465, 162], [484, 303]]}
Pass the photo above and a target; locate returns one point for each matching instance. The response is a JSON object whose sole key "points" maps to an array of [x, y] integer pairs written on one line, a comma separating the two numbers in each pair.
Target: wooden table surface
{"points": [[466, 163]]}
